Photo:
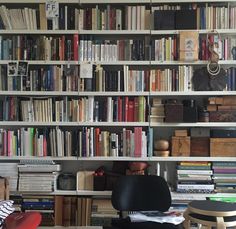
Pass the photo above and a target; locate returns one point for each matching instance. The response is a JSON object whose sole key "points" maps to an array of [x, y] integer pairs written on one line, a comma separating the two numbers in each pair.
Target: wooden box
{"points": [[223, 147], [180, 146], [222, 116], [200, 147]]}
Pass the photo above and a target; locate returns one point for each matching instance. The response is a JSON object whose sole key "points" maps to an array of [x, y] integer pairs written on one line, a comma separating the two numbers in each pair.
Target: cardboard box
{"points": [[222, 147]]}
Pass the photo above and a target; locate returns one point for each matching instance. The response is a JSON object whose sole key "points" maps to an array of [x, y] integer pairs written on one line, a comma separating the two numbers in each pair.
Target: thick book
{"points": [[164, 19], [186, 19]]}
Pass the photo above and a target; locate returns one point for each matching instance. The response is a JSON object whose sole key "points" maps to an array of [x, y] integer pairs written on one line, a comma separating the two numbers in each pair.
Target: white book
{"points": [[196, 186], [142, 18], [134, 18], [138, 17], [199, 172]]}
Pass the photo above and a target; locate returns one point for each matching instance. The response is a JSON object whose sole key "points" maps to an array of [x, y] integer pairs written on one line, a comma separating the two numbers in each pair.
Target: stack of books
{"points": [[224, 176], [194, 177], [37, 176]]}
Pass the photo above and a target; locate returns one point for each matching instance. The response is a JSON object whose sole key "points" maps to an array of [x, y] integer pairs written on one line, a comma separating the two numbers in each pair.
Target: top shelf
{"points": [[115, 32], [113, 1]]}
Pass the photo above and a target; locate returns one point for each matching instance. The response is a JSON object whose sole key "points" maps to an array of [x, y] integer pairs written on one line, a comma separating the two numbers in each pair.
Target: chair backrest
{"points": [[141, 193]]}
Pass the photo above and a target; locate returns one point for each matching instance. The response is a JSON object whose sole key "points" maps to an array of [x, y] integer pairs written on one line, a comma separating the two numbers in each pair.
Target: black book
{"points": [[164, 19], [182, 23], [62, 18]]}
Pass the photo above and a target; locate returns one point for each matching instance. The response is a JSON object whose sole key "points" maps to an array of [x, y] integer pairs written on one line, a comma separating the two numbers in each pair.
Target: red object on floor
{"points": [[25, 220]]}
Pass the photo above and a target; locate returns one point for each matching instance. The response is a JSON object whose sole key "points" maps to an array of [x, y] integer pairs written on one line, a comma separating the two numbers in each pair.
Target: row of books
{"points": [[208, 16], [23, 47], [72, 211], [87, 142], [166, 49], [70, 47], [112, 50], [171, 79], [116, 109], [224, 47]]}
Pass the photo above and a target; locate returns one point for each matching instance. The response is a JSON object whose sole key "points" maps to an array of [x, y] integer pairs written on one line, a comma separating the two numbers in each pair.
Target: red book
{"points": [[97, 144], [137, 141], [45, 146], [62, 48], [130, 110], [76, 46], [204, 51], [119, 109], [136, 109], [126, 108]]}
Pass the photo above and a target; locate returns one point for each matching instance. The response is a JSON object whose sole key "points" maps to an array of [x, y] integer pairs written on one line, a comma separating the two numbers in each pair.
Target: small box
{"points": [[200, 132], [85, 180], [222, 116], [222, 147], [173, 112], [180, 146], [181, 133], [200, 147]]}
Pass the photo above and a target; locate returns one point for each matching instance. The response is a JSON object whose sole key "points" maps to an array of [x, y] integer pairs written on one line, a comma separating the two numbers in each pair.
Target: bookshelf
{"points": [[130, 37]]}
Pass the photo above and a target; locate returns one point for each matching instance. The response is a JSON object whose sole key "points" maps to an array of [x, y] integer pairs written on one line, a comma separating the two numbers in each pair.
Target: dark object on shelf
{"points": [[203, 116], [203, 81], [185, 19], [66, 181], [111, 179], [200, 132], [140, 193], [190, 113], [200, 147], [99, 183], [173, 111], [233, 51], [222, 116], [120, 167], [164, 19], [223, 133]]}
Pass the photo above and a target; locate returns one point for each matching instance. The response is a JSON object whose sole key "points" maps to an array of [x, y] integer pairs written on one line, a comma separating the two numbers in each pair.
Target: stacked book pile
{"points": [[224, 176], [194, 177], [10, 171], [42, 204], [37, 176], [102, 212]]}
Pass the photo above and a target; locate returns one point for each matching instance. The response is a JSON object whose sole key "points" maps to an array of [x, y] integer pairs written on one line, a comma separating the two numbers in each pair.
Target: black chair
{"points": [[140, 193]]}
